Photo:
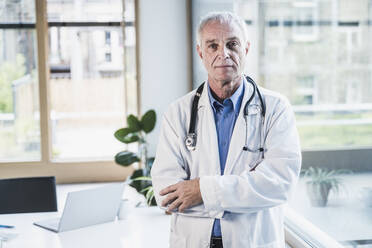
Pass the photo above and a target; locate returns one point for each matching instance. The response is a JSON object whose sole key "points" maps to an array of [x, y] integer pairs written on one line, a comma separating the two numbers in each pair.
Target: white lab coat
{"points": [[252, 201]]}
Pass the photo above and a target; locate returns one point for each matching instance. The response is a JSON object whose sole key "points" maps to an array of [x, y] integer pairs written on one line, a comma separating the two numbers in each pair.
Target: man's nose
{"points": [[223, 52]]}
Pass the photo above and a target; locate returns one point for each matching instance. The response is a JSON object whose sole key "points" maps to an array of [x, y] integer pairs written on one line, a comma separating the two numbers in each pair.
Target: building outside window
{"points": [[90, 105]]}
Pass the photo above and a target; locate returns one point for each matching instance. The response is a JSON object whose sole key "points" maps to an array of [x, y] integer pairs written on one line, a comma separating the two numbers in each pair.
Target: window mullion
{"points": [[43, 71], [126, 92], [138, 45]]}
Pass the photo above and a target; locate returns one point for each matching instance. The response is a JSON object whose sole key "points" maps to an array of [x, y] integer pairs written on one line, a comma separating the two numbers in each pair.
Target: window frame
{"points": [[65, 171]]}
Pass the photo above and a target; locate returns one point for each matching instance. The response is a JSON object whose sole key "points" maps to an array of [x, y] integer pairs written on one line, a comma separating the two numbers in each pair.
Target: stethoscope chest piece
{"points": [[254, 109], [190, 141]]}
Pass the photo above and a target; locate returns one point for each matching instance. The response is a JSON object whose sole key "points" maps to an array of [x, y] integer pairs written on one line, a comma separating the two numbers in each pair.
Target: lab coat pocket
{"points": [[243, 163], [252, 156], [177, 241], [247, 161]]}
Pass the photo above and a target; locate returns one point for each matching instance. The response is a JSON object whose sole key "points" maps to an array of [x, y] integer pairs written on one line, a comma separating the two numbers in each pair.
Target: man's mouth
{"points": [[222, 66]]}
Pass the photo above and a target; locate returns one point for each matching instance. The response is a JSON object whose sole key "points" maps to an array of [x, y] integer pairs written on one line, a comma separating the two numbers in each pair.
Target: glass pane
{"points": [[87, 89], [85, 10], [20, 11], [344, 213], [130, 69], [319, 55], [129, 13], [19, 101]]}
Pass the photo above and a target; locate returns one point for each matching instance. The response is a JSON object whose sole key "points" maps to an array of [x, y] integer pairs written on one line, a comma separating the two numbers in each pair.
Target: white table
{"points": [[142, 227]]}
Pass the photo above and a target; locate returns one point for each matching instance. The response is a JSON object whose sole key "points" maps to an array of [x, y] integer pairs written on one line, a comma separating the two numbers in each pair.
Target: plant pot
{"points": [[318, 193]]}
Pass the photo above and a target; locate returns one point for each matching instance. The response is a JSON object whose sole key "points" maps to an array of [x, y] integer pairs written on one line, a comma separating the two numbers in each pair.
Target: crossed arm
{"points": [[209, 196], [182, 195]]}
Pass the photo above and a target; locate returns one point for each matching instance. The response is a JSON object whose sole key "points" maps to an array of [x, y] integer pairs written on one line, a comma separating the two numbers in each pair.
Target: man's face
{"points": [[222, 50]]}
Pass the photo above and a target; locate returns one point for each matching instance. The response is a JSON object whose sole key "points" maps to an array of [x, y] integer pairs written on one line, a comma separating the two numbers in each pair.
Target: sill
{"points": [[332, 149], [82, 172], [81, 159], [300, 233]]}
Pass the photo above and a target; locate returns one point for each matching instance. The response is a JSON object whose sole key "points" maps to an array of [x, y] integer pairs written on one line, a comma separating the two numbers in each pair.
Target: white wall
{"points": [[164, 56]]}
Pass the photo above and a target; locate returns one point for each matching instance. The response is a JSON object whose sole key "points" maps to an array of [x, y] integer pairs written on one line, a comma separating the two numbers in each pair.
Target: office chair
{"points": [[27, 195]]}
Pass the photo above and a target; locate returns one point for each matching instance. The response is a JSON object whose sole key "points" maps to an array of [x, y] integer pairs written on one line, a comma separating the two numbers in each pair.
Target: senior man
{"points": [[226, 178]]}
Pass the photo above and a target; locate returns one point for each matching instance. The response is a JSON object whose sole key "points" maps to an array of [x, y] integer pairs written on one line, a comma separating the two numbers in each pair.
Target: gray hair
{"points": [[223, 18]]}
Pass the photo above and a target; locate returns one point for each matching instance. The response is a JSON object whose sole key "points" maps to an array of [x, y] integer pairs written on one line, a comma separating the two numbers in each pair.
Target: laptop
{"points": [[87, 207]]}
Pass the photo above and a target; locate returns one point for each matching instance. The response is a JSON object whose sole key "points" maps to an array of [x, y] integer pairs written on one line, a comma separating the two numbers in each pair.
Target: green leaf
{"points": [[130, 138], [148, 121], [137, 173], [126, 158], [142, 179], [149, 193], [321, 176], [150, 197], [121, 134], [133, 123], [152, 201], [146, 189], [139, 184]]}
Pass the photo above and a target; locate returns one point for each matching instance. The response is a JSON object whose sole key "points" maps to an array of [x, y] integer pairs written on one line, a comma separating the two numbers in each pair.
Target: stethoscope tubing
{"points": [[191, 137]]}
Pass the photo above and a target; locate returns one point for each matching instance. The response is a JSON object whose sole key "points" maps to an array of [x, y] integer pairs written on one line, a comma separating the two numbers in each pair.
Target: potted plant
{"points": [[136, 131], [320, 182]]}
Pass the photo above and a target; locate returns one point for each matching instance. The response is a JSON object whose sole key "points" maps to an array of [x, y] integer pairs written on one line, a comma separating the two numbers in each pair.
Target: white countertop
{"points": [[142, 227]]}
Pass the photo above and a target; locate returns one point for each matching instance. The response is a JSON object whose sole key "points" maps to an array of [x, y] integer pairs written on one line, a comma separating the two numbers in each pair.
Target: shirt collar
{"points": [[236, 98]]}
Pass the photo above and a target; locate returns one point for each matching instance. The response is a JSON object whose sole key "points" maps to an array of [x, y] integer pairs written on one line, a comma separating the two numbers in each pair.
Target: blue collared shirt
{"points": [[225, 115]]}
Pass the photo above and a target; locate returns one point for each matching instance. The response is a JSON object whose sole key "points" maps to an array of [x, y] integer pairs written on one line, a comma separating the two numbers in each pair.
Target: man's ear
{"points": [[247, 47], [198, 49]]}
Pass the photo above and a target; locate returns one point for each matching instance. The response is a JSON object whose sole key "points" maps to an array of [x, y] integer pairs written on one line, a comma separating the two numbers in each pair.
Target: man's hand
{"points": [[182, 195]]}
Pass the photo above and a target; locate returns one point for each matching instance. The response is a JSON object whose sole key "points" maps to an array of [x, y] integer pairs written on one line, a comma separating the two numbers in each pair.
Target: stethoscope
{"points": [[190, 140]]}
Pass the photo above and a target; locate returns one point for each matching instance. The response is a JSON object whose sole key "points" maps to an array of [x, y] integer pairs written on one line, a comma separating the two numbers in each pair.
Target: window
{"points": [[333, 111], [305, 25], [107, 37], [326, 74], [19, 105], [306, 93], [108, 57], [86, 88], [88, 106]]}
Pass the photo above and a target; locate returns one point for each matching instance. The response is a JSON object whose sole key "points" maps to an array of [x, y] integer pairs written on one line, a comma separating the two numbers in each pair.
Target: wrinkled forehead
{"points": [[218, 31]]}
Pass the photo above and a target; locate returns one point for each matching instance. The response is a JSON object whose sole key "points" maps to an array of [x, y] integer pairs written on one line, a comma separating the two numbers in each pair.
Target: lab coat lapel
{"points": [[238, 136], [208, 132]]}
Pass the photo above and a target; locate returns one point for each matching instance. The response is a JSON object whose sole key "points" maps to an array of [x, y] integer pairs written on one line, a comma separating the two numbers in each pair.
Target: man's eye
{"points": [[232, 44], [213, 46]]}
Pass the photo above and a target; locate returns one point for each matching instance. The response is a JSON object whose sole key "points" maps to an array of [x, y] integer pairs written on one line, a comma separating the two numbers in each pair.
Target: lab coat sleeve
{"points": [[169, 168], [272, 182]]}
